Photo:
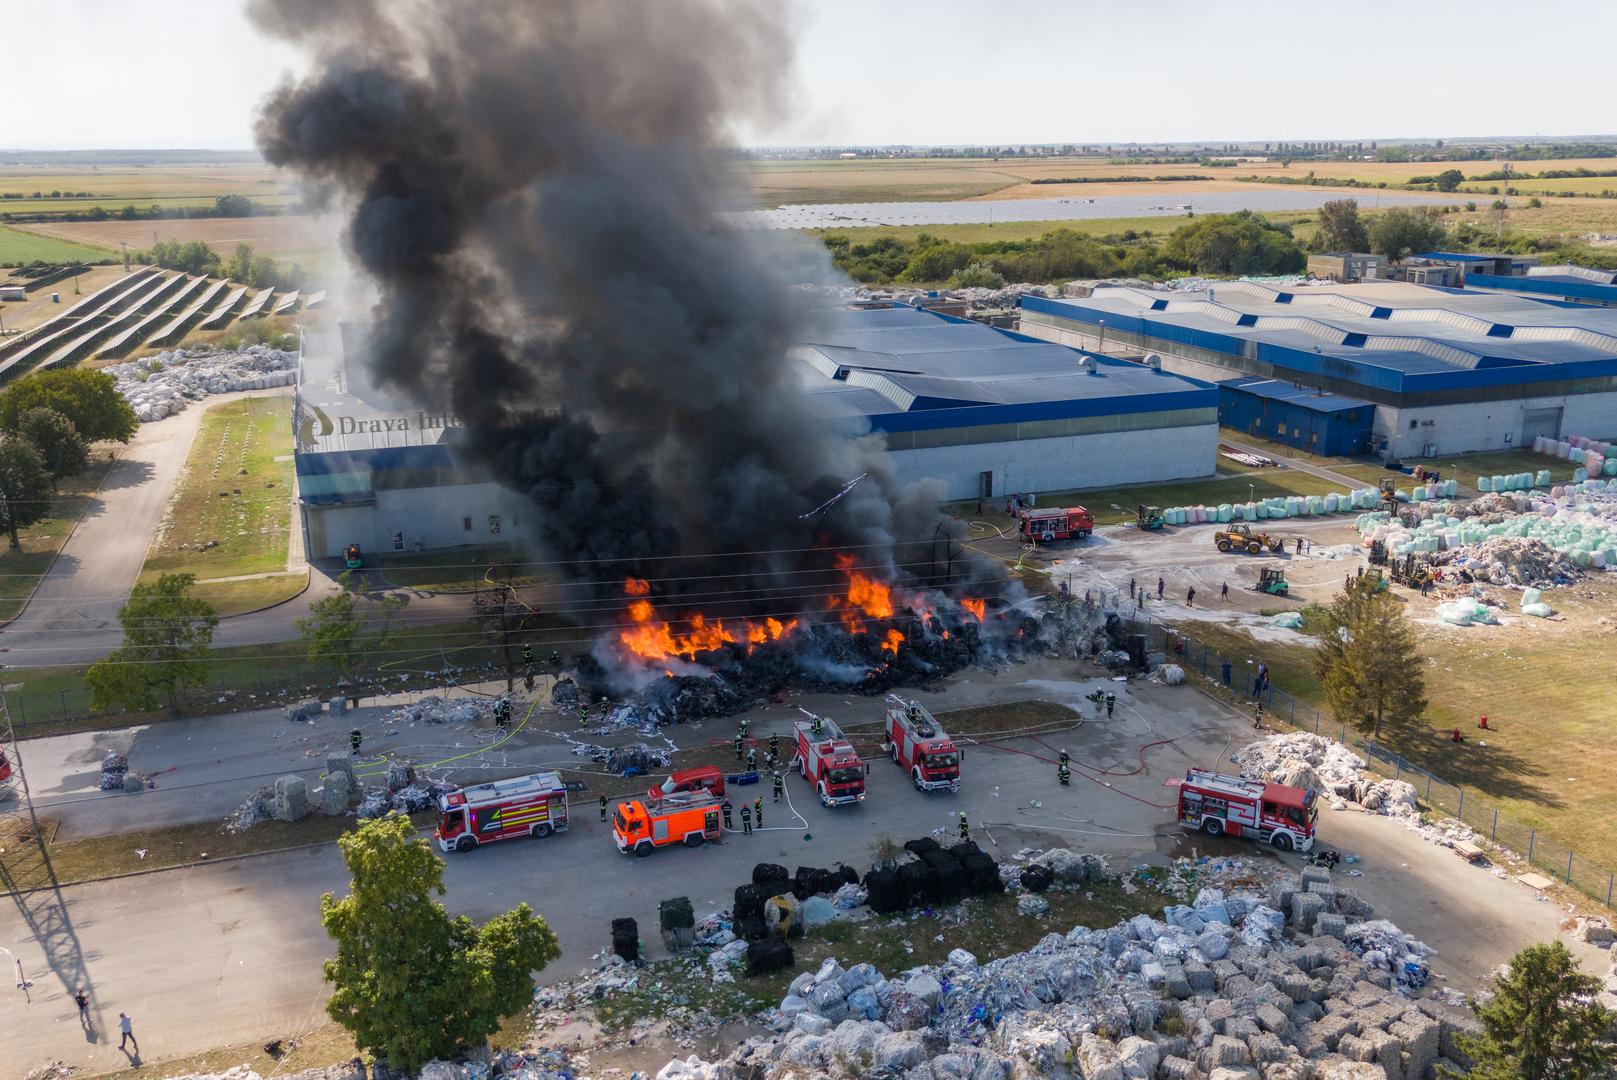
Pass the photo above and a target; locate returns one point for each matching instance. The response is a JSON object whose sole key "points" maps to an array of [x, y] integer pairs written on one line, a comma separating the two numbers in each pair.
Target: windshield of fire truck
{"points": [[845, 776], [452, 822], [621, 821], [942, 761]]}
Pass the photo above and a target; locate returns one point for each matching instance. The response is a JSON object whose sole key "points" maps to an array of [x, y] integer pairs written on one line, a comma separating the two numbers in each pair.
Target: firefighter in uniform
{"points": [[746, 819], [752, 757], [1111, 703], [555, 658], [355, 737], [527, 654], [774, 746], [758, 810], [1063, 774], [738, 746], [818, 727], [584, 715], [502, 713], [780, 785], [603, 806], [728, 823], [745, 724], [1065, 758], [965, 829]]}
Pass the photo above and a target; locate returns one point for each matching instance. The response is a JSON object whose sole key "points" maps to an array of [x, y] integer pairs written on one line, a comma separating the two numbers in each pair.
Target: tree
{"points": [[337, 633], [979, 275], [167, 632], [1367, 663], [61, 449], [505, 621], [1341, 228], [935, 261], [1399, 232], [1239, 243], [25, 488], [88, 398], [1543, 1022], [1450, 180], [409, 982], [233, 206]]}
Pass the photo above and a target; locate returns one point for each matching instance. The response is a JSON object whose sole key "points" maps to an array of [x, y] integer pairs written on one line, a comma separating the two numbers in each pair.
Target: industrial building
{"points": [[985, 412], [1312, 421], [1347, 266], [1448, 372]]}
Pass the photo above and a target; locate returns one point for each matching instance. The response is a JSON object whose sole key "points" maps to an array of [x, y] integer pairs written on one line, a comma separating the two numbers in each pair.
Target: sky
{"points": [[189, 73]]}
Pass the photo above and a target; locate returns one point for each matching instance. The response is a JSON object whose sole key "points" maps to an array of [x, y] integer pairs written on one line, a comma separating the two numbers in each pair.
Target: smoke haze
{"points": [[531, 189]]}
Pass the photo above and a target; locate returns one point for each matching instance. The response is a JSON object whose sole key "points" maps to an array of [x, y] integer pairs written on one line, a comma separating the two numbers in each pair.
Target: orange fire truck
{"points": [[533, 805], [919, 745], [828, 760], [1223, 805], [689, 818], [1055, 523]]}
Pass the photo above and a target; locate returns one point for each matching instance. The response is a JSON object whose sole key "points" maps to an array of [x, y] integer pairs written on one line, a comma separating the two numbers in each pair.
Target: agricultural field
{"points": [[19, 247], [231, 515], [114, 186], [279, 236]]}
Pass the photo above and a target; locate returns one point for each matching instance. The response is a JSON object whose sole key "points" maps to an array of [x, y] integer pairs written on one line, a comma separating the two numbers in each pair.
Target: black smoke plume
{"points": [[532, 189]]}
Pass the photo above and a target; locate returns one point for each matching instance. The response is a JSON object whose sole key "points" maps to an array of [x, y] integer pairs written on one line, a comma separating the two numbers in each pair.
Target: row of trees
{"points": [[244, 264], [1395, 233], [1239, 243], [225, 206]]}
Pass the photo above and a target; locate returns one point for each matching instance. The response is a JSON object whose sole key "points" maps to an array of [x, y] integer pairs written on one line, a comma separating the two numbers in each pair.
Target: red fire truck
{"points": [[1055, 523], [828, 760], [533, 805], [5, 768], [1223, 805], [919, 745], [706, 778]]}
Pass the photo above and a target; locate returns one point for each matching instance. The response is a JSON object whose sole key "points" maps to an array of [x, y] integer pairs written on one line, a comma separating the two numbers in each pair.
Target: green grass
{"points": [[460, 569], [18, 248], [236, 597], [1159, 226], [1467, 467], [1115, 506], [232, 494], [21, 570]]}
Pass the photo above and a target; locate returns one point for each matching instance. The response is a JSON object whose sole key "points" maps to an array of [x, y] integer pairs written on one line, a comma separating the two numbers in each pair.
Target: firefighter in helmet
{"points": [[502, 713], [746, 819], [774, 747], [355, 737], [965, 828], [1063, 774], [725, 806], [752, 757], [758, 810], [1111, 703], [780, 785], [527, 653], [1064, 757], [603, 806], [739, 738], [818, 727]]}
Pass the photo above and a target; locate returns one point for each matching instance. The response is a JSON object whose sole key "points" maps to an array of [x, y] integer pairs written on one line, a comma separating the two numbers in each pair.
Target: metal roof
{"points": [[1291, 393], [904, 368]]}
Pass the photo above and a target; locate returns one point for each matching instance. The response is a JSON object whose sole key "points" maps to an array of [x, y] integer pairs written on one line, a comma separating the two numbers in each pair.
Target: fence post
{"points": [[1493, 831], [1569, 868], [1316, 721], [1428, 787], [1460, 811], [22, 707], [63, 695], [1292, 717], [1611, 879], [1532, 835]]}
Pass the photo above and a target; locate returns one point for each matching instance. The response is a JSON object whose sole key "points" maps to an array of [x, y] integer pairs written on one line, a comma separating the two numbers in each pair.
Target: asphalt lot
{"points": [[230, 952]]}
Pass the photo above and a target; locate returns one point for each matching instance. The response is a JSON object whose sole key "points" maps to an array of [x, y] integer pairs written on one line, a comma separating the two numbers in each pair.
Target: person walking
{"points": [[1132, 587], [1141, 599], [126, 1027], [1299, 545], [82, 1000], [965, 827], [774, 748], [752, 757], [758, 811], [603, 806], [1190, 596], [779, 784], [1227, 670], [1064, 774], [1224, 592], [1347, 582], [1111, 703], [725, 806], [355, 737], [1161, 586], [738, 746], [746, 819]]}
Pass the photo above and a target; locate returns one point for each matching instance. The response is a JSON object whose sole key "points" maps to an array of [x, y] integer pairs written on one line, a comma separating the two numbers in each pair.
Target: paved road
{"points": [[231, 952], [1321, 471]]}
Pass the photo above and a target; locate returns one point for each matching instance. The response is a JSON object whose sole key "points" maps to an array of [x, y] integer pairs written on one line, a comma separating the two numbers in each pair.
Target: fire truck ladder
{"points": [[26, 873]]}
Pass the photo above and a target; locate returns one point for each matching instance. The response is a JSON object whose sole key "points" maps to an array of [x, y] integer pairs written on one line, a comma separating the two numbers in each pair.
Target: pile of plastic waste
{"points": [[1466, 611], [1301, 759], [435, 710], [163, 385]]}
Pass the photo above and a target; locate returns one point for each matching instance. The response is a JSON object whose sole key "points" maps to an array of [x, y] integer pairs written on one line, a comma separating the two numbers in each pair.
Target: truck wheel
{"points": [[1254, 548], [1212, 826], [540, 831], [892, 752], [1224, 545], [465, 843], [694, 840], [1083, 534], [1281, 841], [643, 848]]}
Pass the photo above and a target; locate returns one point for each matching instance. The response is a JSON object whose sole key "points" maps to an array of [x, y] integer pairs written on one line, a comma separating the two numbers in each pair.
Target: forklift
{"points": [[1380, 579], [1272, 580], [353, 558], [1378, 553], [1148, 518], [1409, 572], [1240, 537], [1389, 494]]}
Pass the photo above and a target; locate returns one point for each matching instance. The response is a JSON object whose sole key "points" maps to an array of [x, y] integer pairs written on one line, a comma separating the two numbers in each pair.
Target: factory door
{"points": [[1536, 422], [985, 484]]}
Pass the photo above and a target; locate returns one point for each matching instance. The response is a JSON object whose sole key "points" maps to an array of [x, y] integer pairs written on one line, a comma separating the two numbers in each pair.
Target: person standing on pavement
{"points": [[1224, 592], [965, 829], [1190, 596], [603, 806], [355, 737], [752, 757], [82, 1000], [738, 745], [746, 819], [758, 810], [127, 1028], [1111, 704], [728, 823], [1227, 669], [1161, 585], [774, 748], [780, 785]]}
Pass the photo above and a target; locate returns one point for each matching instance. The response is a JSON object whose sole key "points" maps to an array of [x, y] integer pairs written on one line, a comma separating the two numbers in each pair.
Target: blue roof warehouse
{"points": [[1447, 370], [985, 412]]}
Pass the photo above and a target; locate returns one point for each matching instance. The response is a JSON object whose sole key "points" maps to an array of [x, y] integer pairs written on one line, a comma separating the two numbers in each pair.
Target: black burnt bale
{"points": [[764, 873], [948, 877], [921, 846], [846, 875], [626, 939], [886, 892], [1037, 878], [750, 901], [768, 955], [918, 883], [752, 928]]}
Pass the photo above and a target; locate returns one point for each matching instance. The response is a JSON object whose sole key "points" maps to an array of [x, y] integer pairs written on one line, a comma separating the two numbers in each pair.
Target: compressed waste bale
{"points": [[885, 893], [981, 874], [626, 939], [769, 955], [811, 881], [750, 900], [291, 799], [964, 848], [764, 873], [676, 913], [948, 877], [917, 883], [783, 915], [846, 875], [925, 843], [1037, 878], [752, 928]]}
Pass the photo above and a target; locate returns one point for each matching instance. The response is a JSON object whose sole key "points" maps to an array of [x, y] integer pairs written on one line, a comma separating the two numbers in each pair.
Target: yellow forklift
{"points": [[1240, 537], [1389, 494]]}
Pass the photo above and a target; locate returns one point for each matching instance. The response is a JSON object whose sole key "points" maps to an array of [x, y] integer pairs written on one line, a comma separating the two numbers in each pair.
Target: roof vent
{"points": [[1209, 294], [1153, 361], [1086, 364]]}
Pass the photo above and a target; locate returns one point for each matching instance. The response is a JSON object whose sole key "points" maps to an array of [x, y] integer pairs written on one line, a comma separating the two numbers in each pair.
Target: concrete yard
{"points": [[234, 954]]}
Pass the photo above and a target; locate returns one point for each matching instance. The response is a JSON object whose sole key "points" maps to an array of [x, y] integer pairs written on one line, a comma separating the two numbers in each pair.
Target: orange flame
{"points": [[894, 640], [637, 586], [652, 638], [978, 607]]}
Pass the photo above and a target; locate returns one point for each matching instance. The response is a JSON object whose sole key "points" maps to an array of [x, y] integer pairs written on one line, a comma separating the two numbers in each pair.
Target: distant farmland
{"points": [[19, 247], [277, 236]]}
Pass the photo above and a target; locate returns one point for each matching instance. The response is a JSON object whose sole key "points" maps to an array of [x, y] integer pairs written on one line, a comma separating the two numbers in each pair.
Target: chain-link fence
{"points": [[1237, 679]]}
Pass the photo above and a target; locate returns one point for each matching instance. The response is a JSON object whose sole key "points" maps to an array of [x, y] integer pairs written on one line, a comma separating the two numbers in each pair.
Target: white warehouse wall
{"points": [[1458, 429], [1078, 461], [428, 518]]}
